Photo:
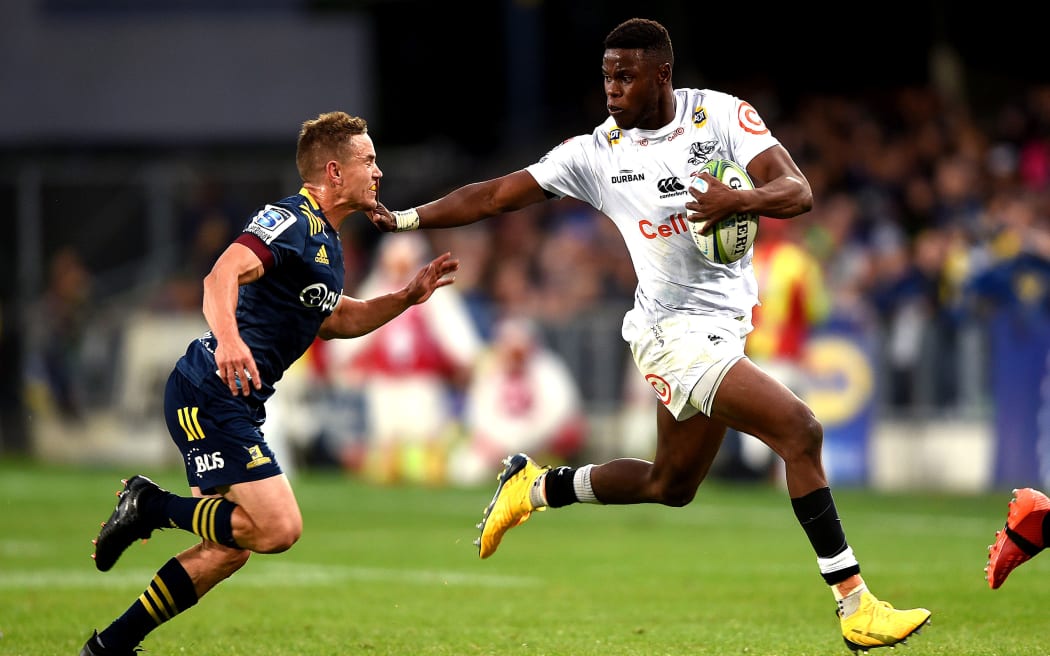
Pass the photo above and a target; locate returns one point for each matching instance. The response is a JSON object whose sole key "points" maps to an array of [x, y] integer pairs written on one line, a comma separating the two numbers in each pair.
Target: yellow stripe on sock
{"points": [[210, 520], [169, 602], [204, 519], [197, 513], [145, 601], [157, 603]]}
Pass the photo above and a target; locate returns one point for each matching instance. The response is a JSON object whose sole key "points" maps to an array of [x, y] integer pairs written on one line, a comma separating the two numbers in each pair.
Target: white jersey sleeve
{"points": [[638, 179]]}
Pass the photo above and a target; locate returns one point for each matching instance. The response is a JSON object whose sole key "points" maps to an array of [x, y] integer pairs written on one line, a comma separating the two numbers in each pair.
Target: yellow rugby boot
{"points": [[1021, 538], [878, 624], [510, 504]]}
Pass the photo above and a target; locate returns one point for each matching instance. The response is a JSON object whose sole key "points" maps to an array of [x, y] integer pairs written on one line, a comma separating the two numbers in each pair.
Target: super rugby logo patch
{"points": [[269, 222]]}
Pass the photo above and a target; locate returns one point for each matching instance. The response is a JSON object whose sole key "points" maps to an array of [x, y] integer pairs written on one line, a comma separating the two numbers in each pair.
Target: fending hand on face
{"points": [[381, 218]]}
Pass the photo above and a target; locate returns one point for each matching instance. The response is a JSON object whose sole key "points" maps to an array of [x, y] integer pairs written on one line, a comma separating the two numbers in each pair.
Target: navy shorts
{"points": [[219, 434]]}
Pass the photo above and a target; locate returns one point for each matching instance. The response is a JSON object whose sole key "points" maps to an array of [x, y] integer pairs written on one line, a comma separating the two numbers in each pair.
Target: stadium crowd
{"points": [[919, 200], [916, 196]]}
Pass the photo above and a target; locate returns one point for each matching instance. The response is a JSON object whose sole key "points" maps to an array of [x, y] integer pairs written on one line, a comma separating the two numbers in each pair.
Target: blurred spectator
{"points": [[913, 302], [794, 301], [522, 397], [59, 320], [207, 226], [410, 371]]}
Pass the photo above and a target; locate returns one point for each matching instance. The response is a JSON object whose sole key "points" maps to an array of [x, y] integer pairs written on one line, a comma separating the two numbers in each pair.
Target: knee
{"points": [[279, 538], [675, 493], [806, 435]]}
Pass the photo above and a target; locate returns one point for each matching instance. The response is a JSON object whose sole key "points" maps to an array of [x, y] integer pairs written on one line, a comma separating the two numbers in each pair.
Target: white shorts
{"points": [[685, 352]]}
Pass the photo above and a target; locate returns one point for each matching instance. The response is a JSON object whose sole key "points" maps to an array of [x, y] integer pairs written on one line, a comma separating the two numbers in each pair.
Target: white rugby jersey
{"points": [[638, 178]]}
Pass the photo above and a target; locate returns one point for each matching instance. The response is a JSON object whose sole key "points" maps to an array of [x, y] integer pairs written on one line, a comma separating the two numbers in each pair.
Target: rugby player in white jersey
{"points": [[690, 317]]}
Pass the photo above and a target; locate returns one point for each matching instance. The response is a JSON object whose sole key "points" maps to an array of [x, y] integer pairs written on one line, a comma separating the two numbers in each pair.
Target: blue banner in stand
{"points": [[1014, 298], [1020, 372], [841, 391]]}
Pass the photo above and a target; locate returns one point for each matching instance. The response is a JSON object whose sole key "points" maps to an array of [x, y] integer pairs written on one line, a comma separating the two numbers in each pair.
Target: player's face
{"points": [[361, 174], [632, 89]]}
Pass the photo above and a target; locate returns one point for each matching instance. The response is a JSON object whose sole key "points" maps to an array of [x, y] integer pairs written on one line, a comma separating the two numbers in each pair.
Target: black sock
{"points": [[209, 518], [169, 593], [558, 485], [818, 516]]}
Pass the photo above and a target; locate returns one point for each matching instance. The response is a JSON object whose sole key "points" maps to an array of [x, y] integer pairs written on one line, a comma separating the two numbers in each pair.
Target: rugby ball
{"points": [[733, 236]]}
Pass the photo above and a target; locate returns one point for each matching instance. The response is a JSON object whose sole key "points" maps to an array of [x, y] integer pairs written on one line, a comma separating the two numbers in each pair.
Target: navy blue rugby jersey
{"points": [[279, 314]]}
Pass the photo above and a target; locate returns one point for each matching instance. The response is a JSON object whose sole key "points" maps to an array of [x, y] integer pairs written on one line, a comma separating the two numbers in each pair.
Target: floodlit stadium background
{"points": [[125, 128]]}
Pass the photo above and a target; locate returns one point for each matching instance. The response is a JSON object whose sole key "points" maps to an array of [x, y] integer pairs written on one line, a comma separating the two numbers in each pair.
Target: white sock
{"points": [[538, 491], [581, 483], [851, 602], [837, 563]]}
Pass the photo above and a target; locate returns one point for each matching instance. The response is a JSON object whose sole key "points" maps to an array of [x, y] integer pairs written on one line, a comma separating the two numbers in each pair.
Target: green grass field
{"points": [[392, 571]]}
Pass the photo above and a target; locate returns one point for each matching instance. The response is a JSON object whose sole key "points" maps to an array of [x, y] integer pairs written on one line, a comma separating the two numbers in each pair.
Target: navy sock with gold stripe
{"points": [[169, 593], [209, 518]]}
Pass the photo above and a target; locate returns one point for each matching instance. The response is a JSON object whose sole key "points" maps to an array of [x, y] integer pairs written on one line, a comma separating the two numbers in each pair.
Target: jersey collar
{"points": [[309, 198]]}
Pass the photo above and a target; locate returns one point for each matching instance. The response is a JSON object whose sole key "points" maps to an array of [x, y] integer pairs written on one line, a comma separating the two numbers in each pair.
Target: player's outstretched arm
{"points": [[354, 317], [469, 203]]}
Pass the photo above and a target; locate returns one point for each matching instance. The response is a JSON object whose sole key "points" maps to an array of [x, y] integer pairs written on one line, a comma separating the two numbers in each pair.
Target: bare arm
{"points": [[237, 266], [472, 202], [354, 317], [781, 191]]}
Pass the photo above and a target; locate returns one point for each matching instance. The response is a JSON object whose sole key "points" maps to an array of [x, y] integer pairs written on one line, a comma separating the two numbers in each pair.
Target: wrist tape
{"points": [[406, 220]]}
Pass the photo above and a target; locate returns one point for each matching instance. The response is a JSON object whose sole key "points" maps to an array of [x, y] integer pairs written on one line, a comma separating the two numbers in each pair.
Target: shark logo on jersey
{"points": [[699, 116], [269, 222], [700, 151]]}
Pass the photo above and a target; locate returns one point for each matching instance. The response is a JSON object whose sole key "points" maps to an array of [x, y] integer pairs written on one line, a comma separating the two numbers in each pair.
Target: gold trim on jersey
{"points": [[313, 203]]}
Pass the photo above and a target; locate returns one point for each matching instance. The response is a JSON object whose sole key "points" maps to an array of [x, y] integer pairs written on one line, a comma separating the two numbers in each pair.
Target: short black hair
{"points": [[642, 34]]}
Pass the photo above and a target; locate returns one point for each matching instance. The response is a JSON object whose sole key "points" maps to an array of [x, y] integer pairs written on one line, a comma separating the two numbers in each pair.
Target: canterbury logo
{"points": [[157, 600], [322, 255], [715, 339], [204, 518], [189, 423], [670, 185]]}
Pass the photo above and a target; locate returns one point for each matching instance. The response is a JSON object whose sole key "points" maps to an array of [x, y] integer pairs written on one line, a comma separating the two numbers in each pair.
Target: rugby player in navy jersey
{"points": [[275, 289]]}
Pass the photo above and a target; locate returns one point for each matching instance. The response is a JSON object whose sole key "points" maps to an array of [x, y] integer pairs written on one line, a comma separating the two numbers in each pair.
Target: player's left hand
{"points": [[710, 206], [440, 272], [382, 218]]}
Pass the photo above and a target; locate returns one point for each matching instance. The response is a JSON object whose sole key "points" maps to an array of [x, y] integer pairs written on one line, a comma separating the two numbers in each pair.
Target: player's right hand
{"points": [[236, 366], [382, 218]]}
